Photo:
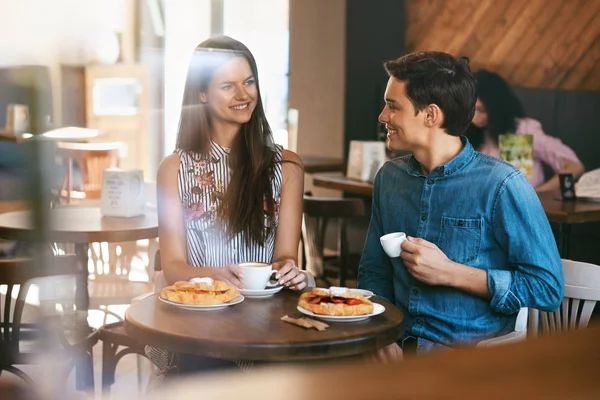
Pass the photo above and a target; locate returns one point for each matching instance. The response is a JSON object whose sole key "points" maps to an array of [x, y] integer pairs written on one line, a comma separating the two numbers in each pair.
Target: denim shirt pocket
{"points": [[460, 238]]}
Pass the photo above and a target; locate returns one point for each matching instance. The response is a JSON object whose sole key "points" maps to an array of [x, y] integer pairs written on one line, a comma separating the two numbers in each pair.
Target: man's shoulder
{"points": [[493, 167], [396, 164]]}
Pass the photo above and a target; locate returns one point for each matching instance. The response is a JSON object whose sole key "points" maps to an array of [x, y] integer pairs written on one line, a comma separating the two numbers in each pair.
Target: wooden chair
{"points": [[92, 159], [317, 213], [74, 345], [116, 343], [582, 291]]}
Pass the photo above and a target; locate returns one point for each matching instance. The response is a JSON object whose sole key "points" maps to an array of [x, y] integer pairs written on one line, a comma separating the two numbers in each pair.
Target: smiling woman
{"points": [[228, 194]]}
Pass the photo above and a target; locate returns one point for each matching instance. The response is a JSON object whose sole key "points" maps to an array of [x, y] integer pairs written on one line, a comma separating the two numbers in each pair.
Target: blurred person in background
{"points": [[498, 111]]}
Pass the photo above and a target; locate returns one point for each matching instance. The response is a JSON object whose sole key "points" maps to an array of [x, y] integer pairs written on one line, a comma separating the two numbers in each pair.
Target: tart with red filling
{"points": [[335, 301]]}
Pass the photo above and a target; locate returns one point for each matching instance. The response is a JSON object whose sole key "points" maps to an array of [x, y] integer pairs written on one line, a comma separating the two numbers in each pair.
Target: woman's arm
{"points": [[287, 235], [552, 152], [568, 167], [171, 231]]}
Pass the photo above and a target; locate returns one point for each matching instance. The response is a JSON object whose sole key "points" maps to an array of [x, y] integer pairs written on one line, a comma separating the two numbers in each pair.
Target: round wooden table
{"points": [[253, 330], [81, 225]]}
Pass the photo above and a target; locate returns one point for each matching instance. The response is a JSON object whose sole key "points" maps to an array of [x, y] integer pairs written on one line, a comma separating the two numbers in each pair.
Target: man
{"points": [[479, 245]]}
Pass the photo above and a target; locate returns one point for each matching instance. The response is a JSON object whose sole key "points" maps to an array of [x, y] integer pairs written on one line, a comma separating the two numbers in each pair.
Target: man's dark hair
{"points": [[433, 77]]}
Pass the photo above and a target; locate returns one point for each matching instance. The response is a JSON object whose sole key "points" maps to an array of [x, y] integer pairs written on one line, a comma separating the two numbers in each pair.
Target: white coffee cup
{"points": [[391, 243], [257, 275]]}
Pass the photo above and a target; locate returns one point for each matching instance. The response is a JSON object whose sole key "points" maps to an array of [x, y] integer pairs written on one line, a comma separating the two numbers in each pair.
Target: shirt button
{"points": [[461, 222], [415, 291], [430, 181], [423, 217], [418, 321]]}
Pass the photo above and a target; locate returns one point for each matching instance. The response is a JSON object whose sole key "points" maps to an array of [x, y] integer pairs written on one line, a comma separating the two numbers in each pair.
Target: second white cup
{"points": [[391, 243], [257, 275]]}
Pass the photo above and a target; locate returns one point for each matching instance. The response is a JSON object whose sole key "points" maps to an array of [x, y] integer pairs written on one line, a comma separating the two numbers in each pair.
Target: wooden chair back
{"points": [[582, 291], [92, 159], [317, 213]]}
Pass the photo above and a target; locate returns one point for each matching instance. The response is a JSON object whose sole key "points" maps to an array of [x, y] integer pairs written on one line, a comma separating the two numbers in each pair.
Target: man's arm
{"points": [[375, 271], [521, 227]]}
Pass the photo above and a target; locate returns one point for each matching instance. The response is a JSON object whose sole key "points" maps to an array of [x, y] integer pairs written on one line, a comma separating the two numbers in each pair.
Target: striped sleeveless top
{"points": [[202, 181]]}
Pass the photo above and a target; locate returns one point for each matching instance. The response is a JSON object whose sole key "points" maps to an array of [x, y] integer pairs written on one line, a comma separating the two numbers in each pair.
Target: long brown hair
{"points": [[249, 197]]}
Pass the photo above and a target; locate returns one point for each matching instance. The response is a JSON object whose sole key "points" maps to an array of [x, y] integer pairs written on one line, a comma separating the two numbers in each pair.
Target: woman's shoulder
{"points": [[528, 125], [169, 165], [290, 156], [291, 165]]}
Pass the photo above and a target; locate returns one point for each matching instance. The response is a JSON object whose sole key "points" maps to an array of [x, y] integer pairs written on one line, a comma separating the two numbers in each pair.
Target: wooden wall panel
{"points": [[532, 43]]}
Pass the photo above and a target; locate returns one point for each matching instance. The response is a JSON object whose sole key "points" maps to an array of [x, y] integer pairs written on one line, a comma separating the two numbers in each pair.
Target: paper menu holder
{"points": [[122, 193], [364, 159]]}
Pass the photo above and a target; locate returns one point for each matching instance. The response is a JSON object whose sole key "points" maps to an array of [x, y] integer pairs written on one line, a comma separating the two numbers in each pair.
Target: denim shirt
{"points": [[481, 212]]}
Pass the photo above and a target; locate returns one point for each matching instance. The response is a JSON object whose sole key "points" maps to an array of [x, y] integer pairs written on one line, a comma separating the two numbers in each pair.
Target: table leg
{"points": [[565, 237], [82, 295]]}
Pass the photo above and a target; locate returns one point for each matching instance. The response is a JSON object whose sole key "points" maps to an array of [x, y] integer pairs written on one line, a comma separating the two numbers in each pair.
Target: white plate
{"points": [[201, 307], [260, 294], [367, 293], [377, 309]]}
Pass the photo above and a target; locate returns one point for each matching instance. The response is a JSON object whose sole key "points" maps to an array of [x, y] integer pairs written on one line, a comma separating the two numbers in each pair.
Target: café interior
{"points": [[94, 96]]}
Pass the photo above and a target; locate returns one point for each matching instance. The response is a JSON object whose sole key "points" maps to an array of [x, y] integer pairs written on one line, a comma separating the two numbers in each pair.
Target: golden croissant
{"points": [[200, 293]]}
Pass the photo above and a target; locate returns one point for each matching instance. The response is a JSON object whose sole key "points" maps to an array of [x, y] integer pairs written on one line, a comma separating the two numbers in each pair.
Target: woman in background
{"points": [[227, 194], [499, 111]]}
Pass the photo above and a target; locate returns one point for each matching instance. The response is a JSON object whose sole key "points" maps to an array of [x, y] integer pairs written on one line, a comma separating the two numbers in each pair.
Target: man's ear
{"points": [[433, 116]]}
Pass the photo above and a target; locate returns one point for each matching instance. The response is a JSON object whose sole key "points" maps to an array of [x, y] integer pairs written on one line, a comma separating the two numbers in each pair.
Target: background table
{"points": [[314, 164], [253, 330], [563, 213], [81, 226]]}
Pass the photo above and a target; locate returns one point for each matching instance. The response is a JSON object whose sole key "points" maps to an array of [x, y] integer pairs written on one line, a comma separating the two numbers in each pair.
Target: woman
{"points": [[227, 194], [499, 111]]}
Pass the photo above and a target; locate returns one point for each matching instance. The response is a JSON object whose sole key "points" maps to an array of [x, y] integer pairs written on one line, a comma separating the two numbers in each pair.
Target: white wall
{"points": [[187, 23], [317, 78], [50, 32]]}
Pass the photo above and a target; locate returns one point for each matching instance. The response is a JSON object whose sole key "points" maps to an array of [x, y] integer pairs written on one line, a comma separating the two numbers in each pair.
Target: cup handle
{"points": [[272, 281]]}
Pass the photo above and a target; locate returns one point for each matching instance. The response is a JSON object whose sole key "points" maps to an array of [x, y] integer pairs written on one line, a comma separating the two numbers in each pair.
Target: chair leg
{"points": [[109, 366], [17, 372]]}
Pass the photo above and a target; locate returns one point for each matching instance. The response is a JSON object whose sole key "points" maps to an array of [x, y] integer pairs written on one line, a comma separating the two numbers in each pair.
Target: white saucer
{"points": [[260, 294], [201, 307], [377, 309]]}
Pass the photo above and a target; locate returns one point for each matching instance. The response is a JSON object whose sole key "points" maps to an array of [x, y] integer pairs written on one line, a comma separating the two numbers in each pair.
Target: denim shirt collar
{"points": [[457, 163]]}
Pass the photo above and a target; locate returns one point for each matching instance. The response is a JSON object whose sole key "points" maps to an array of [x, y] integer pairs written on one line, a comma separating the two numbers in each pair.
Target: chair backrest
{"points": [[18, 275], [582, 291], [92, 159], [317, 212]]}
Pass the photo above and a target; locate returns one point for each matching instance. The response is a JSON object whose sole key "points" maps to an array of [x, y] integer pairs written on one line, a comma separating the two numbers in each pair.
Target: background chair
{"points": [[582, 291], [91, 159], [321, 262], [519, 334], [71, 345]]}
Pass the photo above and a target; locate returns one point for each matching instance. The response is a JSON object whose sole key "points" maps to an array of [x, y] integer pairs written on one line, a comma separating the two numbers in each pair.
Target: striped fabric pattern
{"points": [[202, 182]]}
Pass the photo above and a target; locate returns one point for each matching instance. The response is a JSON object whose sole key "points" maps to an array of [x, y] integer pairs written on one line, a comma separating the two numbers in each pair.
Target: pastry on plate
{"points": [[200, 291], [335, 301]]}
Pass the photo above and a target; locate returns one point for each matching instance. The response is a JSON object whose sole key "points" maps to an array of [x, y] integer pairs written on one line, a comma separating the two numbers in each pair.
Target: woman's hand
{"points": [[231, 274], [289, 275]]}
